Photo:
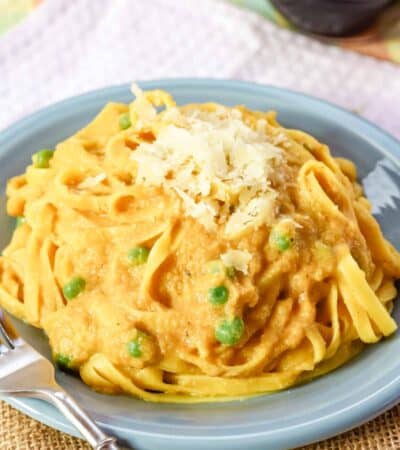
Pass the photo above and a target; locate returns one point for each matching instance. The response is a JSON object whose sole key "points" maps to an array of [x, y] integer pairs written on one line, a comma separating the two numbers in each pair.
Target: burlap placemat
{"points": [[19, 432]]}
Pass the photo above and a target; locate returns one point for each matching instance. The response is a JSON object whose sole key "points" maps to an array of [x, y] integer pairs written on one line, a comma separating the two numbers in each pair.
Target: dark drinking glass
{"points": [[331, 17]]}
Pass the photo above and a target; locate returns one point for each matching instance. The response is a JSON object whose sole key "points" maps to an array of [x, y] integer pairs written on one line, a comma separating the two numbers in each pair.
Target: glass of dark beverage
{"points": [[331, 17]]}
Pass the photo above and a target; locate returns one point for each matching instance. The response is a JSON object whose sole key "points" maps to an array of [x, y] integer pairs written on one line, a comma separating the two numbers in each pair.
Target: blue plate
{"points": [[360, 390]]}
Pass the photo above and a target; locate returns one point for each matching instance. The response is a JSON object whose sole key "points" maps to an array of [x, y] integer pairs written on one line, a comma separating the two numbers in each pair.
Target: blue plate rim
{"points": [[328, 425]]}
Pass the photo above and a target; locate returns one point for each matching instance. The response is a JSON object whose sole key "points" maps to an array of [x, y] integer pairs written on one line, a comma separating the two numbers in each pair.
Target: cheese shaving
{"points": [[239, 259], [90, 182], [214, 162]]}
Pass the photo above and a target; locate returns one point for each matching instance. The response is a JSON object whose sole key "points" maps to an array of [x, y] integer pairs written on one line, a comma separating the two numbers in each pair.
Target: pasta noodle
{"points": [[196, 253]]}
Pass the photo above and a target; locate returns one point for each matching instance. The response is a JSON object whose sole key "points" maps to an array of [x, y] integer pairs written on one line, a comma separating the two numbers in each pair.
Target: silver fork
{"points": [[26, 373]]}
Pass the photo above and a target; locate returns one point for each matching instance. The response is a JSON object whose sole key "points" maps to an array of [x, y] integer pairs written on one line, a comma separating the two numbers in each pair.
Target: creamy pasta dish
{"points": [[196, 253]]}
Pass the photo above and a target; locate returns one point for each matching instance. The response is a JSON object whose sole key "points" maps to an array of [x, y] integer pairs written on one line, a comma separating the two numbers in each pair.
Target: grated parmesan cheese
{"points": [[259, 210], [280, 138], [239, 259], [203, 211], [214, 162], [90, 182]]}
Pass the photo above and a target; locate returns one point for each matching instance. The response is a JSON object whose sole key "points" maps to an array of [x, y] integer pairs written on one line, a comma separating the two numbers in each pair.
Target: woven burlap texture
{"points": [[19, 432]]}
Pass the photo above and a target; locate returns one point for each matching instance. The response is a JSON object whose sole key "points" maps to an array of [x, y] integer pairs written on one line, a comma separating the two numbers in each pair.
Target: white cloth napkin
{"points": [[66, 47]]}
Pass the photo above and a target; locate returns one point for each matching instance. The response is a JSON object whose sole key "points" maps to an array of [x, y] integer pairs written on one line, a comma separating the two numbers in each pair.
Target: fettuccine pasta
{"points": [[196, 253]]}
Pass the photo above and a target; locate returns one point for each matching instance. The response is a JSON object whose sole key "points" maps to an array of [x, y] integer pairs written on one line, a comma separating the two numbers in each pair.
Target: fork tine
{"points": [[7, 331]]}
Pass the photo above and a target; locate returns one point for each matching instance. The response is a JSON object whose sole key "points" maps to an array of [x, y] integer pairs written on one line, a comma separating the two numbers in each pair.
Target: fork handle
{"points": [[75, 414]]}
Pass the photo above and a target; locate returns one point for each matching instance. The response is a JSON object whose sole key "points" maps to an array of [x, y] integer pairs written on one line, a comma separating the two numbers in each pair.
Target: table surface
{"points": [[19, 432]]}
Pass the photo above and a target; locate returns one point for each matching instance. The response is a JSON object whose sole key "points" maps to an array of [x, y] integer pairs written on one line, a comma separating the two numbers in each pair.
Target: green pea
{"points": [[20, 220], [74, 287], [229, 332], [124, 121], [138, 255], [135, 349], [230, 272], [218, 295], [281, 241], [134, 346], [42, 158], [63, 361]]}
